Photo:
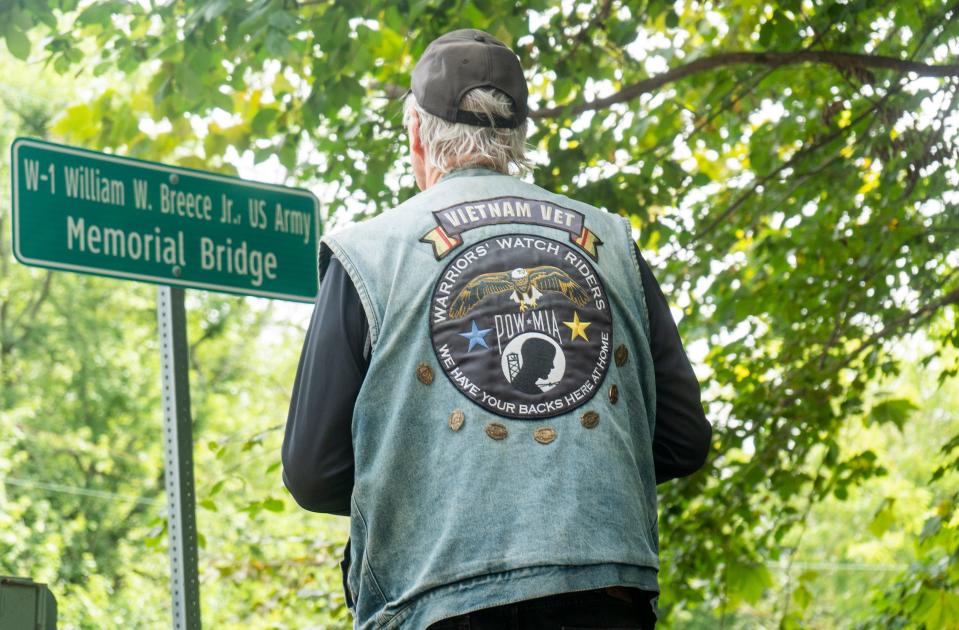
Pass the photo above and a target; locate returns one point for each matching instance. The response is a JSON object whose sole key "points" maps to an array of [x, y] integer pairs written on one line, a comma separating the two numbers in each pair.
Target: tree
{"points": [[790, 169], [81, 475]]}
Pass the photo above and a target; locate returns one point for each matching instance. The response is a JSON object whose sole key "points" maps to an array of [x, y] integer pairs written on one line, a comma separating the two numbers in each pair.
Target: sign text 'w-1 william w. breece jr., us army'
{"points": [[91, 212]]}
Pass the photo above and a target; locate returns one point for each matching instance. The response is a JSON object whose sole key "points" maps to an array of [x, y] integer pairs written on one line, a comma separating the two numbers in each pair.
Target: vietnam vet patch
{"points": [[522, 326], [453, 221]]}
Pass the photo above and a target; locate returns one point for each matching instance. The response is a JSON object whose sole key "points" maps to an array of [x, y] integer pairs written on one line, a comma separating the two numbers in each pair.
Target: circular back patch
{"points": [[521, 325]]}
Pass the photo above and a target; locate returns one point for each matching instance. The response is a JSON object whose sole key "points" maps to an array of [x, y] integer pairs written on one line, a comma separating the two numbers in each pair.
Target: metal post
{"points": [[178, 458]]}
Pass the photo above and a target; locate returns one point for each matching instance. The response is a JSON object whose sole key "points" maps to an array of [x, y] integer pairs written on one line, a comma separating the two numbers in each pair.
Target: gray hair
{"points": [[450, 145]]}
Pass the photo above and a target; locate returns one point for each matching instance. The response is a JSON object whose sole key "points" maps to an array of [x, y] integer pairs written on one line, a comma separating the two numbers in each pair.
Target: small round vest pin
{"points": [[590, 419], [544, 435], [424, 373], [496, 431], [620, 355]]}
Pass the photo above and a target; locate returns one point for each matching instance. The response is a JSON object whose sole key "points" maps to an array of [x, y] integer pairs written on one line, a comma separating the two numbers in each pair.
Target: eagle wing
{"points": [[549, 278], [478, 289]]}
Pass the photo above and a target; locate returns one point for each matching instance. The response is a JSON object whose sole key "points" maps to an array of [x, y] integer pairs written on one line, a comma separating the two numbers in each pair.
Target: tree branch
{"points": [[731, 97], [949, 298], [586, 30], [933, 136], [800, 154], [841, 60], [30, 314]]}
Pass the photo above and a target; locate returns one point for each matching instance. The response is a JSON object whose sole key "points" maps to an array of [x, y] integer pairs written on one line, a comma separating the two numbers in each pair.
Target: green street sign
{"points": [[91, 212]]}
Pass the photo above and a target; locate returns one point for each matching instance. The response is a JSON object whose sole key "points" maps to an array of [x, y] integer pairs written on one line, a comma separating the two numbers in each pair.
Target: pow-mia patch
{"points": [[522, 326]]}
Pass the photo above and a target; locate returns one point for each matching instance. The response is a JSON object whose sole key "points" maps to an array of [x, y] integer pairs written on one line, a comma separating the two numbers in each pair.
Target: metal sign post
{"points": [[178, 458]]}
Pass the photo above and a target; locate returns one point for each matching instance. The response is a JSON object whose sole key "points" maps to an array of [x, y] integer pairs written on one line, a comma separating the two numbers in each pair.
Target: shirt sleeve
{"points": [[682, 434], [317, 454]]}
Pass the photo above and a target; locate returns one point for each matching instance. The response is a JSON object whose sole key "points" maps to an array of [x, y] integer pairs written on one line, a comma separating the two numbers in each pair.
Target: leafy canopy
{"points": [[790, 169]]}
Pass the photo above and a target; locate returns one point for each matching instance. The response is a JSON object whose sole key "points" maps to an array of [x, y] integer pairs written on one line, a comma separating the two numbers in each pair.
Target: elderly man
{"points": [[492, 384]]}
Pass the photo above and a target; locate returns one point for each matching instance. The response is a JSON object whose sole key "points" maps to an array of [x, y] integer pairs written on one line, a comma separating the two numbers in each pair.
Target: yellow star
{"points": [[577, 328]]}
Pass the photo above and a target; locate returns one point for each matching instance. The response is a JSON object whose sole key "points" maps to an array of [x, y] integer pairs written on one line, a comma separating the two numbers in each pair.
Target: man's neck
{"points": [[433, 175]]}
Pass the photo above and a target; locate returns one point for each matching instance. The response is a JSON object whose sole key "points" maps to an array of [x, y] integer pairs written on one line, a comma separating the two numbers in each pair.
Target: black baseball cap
{"points": [[459, 61]]}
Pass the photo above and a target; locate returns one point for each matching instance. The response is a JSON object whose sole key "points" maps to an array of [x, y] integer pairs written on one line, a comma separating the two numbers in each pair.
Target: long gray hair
{"points": [[451, 145]]}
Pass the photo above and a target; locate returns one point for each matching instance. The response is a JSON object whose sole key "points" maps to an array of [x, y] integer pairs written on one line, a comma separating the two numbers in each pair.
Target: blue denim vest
{"points": [[479, 483]]}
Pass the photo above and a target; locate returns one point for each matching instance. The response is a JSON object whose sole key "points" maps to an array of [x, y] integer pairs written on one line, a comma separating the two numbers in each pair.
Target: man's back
{"points": [[503, 432]]}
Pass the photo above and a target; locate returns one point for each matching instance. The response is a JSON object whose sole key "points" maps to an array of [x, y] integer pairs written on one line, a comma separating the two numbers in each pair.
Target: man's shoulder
{"points": [[571, 202], [385, 223]]}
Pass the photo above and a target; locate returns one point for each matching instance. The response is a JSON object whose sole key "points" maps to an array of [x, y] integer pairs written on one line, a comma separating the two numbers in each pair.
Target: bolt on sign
{"points": [[91, 212]]}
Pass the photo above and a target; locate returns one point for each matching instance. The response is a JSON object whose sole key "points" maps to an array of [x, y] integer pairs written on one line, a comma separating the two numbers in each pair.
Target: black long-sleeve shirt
{"points": [[318, 465]]}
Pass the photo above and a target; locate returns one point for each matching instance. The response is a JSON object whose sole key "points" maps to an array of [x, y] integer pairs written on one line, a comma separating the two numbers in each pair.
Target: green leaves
{"points": [[778, 33], [746, 582], [274, 505], [884, 518], [939, 609], [261, 121], [99, 13], [17, 42], [894, 411], [270, 504]]}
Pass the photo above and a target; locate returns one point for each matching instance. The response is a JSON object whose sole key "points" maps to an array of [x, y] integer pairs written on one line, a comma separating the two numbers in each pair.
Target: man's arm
{"points": [[318, 444], [682, 435]]}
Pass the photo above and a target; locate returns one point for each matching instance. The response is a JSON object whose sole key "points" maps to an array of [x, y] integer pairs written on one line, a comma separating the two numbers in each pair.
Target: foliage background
{"points": [[790, 169]]}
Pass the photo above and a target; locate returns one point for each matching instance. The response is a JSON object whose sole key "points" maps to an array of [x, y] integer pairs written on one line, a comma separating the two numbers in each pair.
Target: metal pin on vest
{"points": [[544, 435], [590, 419], [456, 419], [424, 373], [496, 431], [621, 355]]}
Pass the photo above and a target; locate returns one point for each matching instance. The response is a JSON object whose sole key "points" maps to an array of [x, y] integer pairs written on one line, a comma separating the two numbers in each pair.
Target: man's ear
{"points": [[416, 145]]}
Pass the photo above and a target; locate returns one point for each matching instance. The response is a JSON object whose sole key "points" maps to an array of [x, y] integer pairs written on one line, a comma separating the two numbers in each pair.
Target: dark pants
{"points": [[587, 610]]}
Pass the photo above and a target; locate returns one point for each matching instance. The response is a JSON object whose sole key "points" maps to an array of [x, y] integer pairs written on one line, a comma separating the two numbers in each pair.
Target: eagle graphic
{"points": [[526, 286]]}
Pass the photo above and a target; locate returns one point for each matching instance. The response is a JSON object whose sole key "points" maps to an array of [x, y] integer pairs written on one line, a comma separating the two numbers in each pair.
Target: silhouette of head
{"points": [[538, 355]]}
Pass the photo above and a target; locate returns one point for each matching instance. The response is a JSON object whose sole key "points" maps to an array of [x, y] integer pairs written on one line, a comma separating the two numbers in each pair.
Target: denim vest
{"points": [[503, 433]]}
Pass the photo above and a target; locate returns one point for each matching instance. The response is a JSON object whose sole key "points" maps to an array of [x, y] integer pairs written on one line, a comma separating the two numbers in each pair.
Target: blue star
{"points": [[476, 336]]}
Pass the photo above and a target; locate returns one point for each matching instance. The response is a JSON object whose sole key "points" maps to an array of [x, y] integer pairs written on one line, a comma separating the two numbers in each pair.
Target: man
{"points": [[492, 383]]}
